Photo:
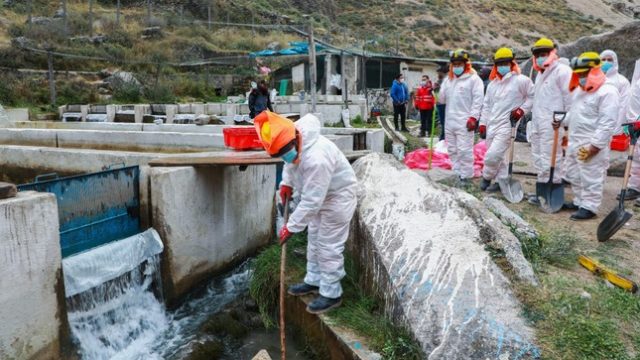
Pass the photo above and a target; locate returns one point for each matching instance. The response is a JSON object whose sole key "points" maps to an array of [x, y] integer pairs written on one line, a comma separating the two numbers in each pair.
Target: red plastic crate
{"points": [[241, 138], [620, 142]]}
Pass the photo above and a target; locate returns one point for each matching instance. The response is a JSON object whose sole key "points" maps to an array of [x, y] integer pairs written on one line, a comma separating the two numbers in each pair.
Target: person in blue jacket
{"points": [[400, 96]]}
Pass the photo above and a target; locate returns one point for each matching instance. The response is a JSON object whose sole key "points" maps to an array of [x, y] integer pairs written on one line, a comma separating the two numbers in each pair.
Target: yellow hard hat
{"points": [[459, 55], [585, 62], [543, 44], [503, 54]]}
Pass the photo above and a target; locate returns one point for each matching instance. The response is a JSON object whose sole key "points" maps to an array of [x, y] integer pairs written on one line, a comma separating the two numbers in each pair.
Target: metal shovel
{"points": [[551, 195], [619, 216], [511, 188]]}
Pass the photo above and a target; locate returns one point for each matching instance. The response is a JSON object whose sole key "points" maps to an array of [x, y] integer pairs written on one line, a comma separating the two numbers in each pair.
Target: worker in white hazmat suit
{"points": [[632, 116], [326, 183], [591, 120], [551, 93], [509, 97], [610, 67], [462, 92]]}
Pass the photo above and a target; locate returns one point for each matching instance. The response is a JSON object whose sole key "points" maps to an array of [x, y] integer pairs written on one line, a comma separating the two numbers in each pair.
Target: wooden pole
{"points": [[312, 69], [118, 12], [52, 79], [90, 18], [149, 12], [30, 18], [64, 18], [283, 266]]}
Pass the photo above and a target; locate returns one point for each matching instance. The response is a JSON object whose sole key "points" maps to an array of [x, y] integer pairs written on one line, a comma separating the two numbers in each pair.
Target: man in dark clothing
{"points": [[259, 99], [400, 96], [440, 108]]}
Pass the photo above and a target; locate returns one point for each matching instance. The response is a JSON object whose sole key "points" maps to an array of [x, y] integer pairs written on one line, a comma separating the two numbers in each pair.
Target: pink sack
{"points": [[419, 159]]}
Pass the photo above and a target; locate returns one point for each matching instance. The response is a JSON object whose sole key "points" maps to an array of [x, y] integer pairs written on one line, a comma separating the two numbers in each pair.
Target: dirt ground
{"points": [[621, 252]]}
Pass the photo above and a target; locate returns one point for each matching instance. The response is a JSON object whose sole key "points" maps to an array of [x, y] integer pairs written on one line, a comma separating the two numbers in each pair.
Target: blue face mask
{"points": [[582, 81], [606, 66], [504, 69], [458, 70], [541, 60], [290, 156]]}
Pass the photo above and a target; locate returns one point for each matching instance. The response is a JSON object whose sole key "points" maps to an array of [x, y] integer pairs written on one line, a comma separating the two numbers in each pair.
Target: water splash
{"points": [[125, 319]]}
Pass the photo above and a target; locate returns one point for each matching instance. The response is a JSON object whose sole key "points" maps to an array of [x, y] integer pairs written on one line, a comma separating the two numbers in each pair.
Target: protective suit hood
{"points": [[309, 128], [614, 70]]}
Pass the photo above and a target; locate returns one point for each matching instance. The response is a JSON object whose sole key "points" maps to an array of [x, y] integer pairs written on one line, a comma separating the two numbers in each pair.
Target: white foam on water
{"points": [[123, 319]]}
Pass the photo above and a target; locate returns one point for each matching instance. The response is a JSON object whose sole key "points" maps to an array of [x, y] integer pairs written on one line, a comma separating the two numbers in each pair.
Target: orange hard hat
{"points": [[275, 131]]}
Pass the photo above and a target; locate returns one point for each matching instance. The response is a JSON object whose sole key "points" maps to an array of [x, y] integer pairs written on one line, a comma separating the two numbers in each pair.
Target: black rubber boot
{"points": [[582, 214], [484, 184], [630, 195], [302, 289], [533, 200], [495, 187], [569, 205], [323, 304]]}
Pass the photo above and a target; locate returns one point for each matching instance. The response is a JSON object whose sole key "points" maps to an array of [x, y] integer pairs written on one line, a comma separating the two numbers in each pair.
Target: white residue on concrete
{"points": [[454, 298]]}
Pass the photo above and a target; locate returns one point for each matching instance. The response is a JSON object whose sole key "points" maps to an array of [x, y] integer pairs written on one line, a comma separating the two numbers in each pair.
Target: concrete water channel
{"points": [[98, 194]]}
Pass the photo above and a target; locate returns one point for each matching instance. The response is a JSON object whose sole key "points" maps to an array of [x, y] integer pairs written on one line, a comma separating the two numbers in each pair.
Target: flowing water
{"points": [[124, 319]]}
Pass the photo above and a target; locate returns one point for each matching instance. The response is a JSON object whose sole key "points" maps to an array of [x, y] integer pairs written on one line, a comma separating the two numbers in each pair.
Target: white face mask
{"points": [[423, 83], [254, 85]]}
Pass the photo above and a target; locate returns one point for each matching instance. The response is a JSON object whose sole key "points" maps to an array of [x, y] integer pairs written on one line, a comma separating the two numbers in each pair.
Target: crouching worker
{"points": [[592, 119], [326, 183], [509, 96]]}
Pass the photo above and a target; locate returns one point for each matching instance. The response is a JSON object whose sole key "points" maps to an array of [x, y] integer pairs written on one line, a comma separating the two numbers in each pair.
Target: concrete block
{"points": [[25, 162], [111, 113], [171, 111], [139, 111], [30, 278], [7, 190], [138, 141], [231, 109], [33, 137], [343, 142], [209, 219], [375, 140], [213, 109], [19, 114]]}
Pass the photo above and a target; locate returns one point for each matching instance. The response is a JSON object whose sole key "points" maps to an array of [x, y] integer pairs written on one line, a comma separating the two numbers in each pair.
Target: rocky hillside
{"points": [[410, 27], [156, 41]]}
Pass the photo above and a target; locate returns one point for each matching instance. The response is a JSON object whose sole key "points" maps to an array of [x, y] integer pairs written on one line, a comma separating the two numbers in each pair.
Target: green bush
{"points": [[127, 93], [161, 94]]}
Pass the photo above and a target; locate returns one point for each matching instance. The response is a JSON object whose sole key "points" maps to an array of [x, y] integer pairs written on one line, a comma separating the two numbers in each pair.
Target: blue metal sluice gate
{"points": [[96, 208]]}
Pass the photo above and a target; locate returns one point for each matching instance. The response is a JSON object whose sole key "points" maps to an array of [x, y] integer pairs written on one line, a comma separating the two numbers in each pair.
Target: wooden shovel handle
{"points": [[283, 265], [554, 149]]}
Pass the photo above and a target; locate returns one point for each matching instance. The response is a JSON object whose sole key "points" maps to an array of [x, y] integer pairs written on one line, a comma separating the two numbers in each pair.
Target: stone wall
{"points": [[30, 278]]}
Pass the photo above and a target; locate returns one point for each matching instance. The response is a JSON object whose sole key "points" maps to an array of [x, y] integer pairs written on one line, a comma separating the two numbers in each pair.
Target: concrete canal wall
{"points": [[31, 315], [209, 219]]}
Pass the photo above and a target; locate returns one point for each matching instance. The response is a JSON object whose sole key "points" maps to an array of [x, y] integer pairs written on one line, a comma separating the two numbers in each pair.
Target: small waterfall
{"points": [[120, 319], [124, 317]]}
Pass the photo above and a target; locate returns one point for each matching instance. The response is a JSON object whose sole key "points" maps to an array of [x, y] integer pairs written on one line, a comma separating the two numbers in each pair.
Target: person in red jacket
{"points": [[424, 102]]}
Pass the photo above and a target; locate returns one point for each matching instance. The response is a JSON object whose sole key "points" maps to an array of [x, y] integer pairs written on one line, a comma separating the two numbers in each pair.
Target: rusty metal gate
{"points": [[96, 208]]}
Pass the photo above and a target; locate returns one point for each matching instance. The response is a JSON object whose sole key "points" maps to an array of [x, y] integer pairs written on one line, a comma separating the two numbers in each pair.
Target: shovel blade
{"points": [[612, 223], [511, 190], [551, 196]]}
